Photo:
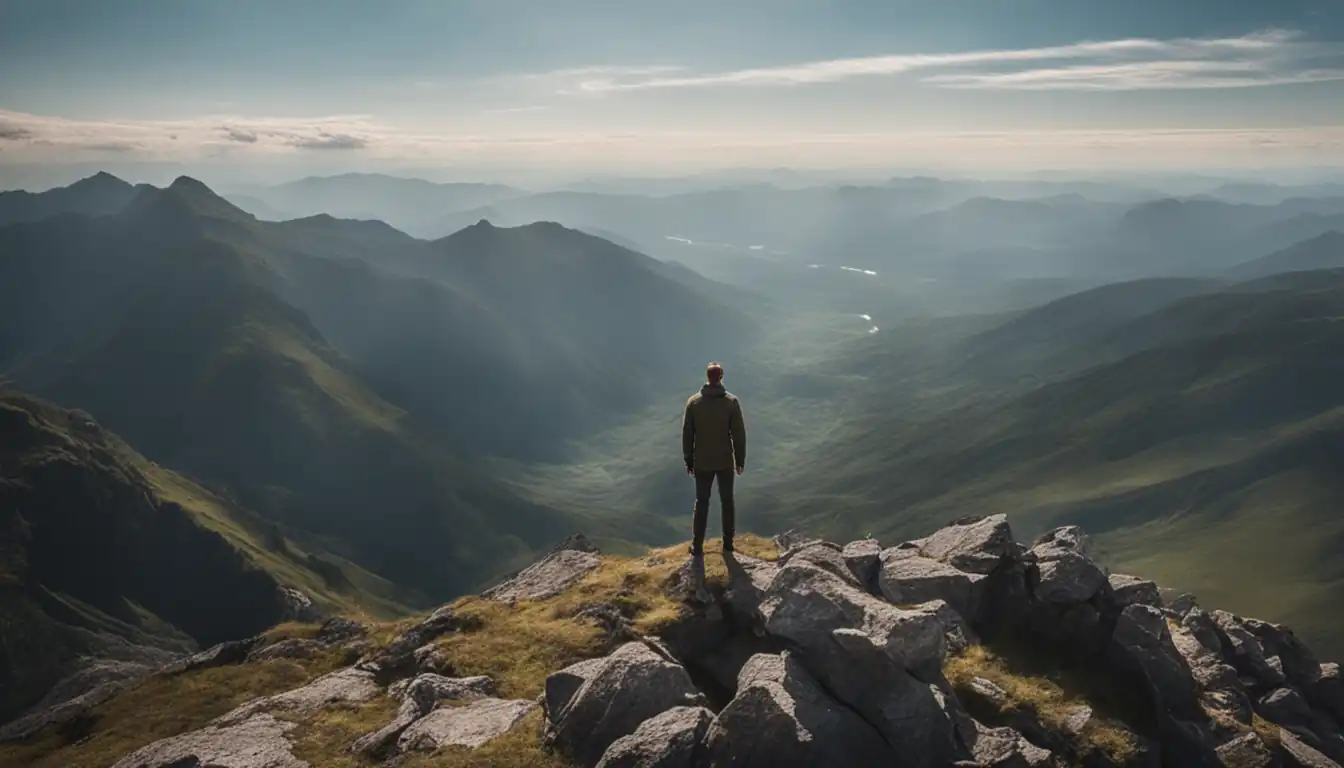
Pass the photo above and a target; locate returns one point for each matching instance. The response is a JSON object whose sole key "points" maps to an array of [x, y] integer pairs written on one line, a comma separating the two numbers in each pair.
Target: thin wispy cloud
{"points": [[56, 139], [1272, 57]]}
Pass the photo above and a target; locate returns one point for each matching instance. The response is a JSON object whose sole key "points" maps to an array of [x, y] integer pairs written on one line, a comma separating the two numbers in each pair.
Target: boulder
{"points": [[296, 606], [221, 655], [1065, 571], [471, 726], [68, 711], [792, 539], [804, 605], [1145, 645], [956, 631], [1129, 590], [781, 717], [748, 578], [972, 544], [1006, 748], [1246, 751], [255, 742], [826, 556], [546, 578], [1299, 665], [673, 739], [912, 718], [1246, 651], [561, 686], [1327, 693], [419, 697], [862, 558], [340, 630], [350, 686], [1286, 707], [907, 580], [1297, 754], [403, 655], [616, 695]]}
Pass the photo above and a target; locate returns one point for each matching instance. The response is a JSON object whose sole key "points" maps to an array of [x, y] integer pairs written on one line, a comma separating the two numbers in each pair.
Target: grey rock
{"points": [[561, 686], [1286, 707], [1142, 637], [1202, 626], [956, 631], [1327, 693], [972, 544], [431, 659], [221, 655], [1182, 604], [352, 686], [1299, 665], [578, 543], [863, 558], [748, 578], [1129, 590], [289, 648], [857, 669], [1006, 748], [1246, 650], [256, 742], [1297, 754], [1246, 751], [341, 630], [296, 606], [781, 717], [910, 580], [471, 726], [1067, 573], [824, 555], [792, 539], [804, 605], [673, 739], [401, 657], [989, 692], [547, 577], [626, 688]]}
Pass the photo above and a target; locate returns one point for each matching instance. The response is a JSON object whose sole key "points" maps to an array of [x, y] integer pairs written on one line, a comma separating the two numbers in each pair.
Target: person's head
{"points": [[714, 373]]}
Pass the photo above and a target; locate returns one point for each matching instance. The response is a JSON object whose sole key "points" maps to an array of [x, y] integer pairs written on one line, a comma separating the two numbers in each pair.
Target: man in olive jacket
{"points": [[714, 444]]}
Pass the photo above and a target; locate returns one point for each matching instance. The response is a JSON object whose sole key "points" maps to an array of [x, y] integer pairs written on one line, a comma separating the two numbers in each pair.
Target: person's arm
{"points": [[739, 428], [688, 437]]}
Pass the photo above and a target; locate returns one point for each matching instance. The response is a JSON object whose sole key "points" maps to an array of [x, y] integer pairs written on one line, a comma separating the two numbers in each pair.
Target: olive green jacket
{"points": [[713, 434]]}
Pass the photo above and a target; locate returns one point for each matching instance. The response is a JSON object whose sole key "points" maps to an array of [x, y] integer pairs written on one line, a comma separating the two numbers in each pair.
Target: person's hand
{"points": [[740, 470]]}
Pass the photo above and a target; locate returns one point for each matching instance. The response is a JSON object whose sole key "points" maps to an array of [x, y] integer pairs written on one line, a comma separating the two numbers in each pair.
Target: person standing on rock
{"points": [[714, 445]]}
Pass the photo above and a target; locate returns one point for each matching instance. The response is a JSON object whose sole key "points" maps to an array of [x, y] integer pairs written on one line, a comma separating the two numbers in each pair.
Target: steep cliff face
{"points": [[964, 648]]}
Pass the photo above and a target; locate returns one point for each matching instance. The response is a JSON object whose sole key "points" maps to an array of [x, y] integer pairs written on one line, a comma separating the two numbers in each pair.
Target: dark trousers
{"points": [[704, 481]]}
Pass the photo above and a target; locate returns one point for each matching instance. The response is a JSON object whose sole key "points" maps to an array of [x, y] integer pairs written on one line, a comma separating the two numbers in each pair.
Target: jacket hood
{"points": [[713, 390]]}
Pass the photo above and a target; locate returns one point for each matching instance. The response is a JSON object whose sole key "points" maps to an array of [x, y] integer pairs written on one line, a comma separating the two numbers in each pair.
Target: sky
{"points": [[265, 88]]}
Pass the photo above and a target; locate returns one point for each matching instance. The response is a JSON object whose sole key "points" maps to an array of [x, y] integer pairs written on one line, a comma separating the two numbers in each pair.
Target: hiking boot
{"points": [[727, 546], [695, 552]]}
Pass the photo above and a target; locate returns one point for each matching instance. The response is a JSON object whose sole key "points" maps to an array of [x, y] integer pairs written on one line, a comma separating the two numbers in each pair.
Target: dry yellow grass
{"points": [[161, 707], [1041, 696]]}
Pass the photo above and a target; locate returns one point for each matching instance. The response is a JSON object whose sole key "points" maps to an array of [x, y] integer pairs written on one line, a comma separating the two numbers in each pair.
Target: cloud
{"points": [[326, 140], [514, 110], [1271, 57], [240, 136], [14, 133], [61, 140]]}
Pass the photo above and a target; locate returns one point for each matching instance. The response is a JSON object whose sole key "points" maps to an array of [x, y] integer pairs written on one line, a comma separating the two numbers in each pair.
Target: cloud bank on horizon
{"points": [[844, 83]]}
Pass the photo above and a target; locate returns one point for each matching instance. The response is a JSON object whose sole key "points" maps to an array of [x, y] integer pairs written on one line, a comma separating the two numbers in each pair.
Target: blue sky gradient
{"points": [[644, 86]]}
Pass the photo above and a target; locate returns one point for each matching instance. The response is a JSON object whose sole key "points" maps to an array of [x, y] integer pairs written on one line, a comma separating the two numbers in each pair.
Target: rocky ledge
{"points": [[837, 655]]}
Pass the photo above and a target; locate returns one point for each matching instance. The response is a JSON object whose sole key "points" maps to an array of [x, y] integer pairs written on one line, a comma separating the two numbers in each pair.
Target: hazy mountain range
{"points": [[402, 390]]}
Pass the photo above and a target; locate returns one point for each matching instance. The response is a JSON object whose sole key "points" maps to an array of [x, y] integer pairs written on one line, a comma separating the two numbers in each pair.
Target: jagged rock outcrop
{"points": [[834, 655], [591, 705], [782, 717]]}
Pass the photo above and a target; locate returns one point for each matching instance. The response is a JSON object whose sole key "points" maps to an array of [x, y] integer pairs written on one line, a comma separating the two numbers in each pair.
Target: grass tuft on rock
{"points": [[1041, 697]]}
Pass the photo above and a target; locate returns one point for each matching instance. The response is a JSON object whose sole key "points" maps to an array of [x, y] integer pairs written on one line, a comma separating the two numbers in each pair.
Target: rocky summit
{"points": [[965, 648]]}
